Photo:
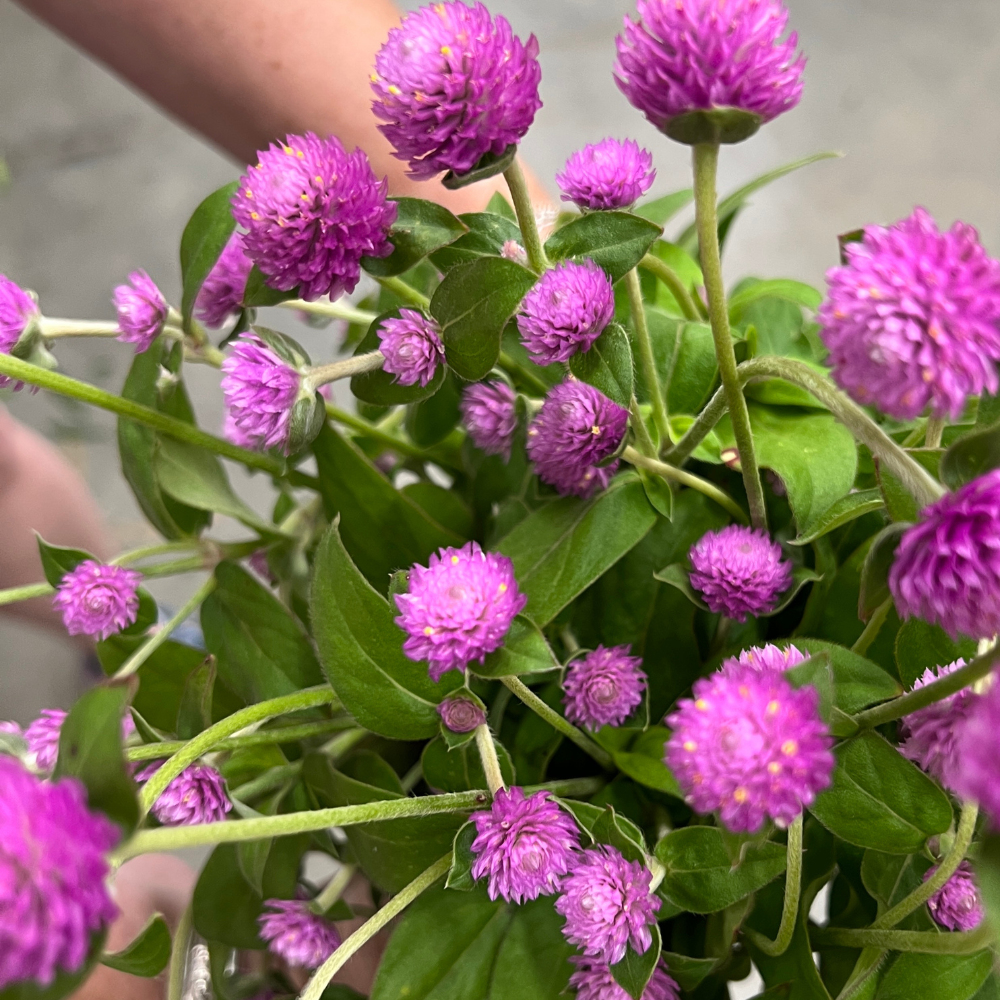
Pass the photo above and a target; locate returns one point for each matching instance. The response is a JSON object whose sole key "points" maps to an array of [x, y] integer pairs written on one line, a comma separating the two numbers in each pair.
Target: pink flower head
{"points": [[312, 211], [913, 319], [699, 55], [593, 980], [53, 876], [749, 746], [18, 311], [739, 571], [524, 844], [142, 311], [98, 600], [947, 566], [975, 769], [608, 904], [196, 795], [461, 715], [459, 608], [957, 905], [412, 347], [607, 175], [42, 737], [221, 294], [603, 687], [769, 658], [489, 414], [566, 311], [577, 428], [453, 84], [293, 932]]}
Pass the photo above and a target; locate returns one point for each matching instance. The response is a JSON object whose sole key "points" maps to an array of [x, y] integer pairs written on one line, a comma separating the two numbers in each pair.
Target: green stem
{"points": [[641, 431], [713, 412], [706, 163], [872, 629], [344, 742], [935, 431], [520, 690], [267, 781], [25, 593], [56, 328], [402, 290], [333, 890], [263, 737], [179, 954], [166, 548], [924, 942], [647, 359], [322, 976], [516, 369], [793, 892], [490, 761], [335, 310], [347, 368], [672, 280], [362, 426], [177, 566], [525, 212]]}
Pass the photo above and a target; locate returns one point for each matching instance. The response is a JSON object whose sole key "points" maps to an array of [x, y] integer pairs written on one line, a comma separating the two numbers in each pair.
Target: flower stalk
{"points": [[647, 359], [404, 291], [793, 893], [525, 212], [334, 310], [665, 273], [490, 761], [348, 368]]}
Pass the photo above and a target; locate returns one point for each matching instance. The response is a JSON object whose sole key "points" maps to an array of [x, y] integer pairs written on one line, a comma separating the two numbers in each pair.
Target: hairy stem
{"points": [[525, 212], [646, 357], [14, 594], [55, 328], [335, 310], [516, 370], [713, 412], [924, 942], [333, 890], [490, 761], [164, 549], [935, 431], [793, 892], [349, 367], [179, 954], [672, 280], [872, 629], [362, 426], [402, 290]]}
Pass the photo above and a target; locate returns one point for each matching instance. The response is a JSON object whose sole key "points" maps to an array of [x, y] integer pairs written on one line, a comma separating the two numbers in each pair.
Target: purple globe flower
{"points": [[452, 85], [260, 389], [608, 905], [975, 770], [196, 795], [702, 55], [312, 211], [739, 571], [913, 319], [18, 311], [566, 311], [53, 890], [593, 981], [489, 414], [749, 746], [607, 175], [770, 658], [603, 687], [221, 295], [461, 715], [98, 600], [42, 737], [412, 347], [142, 311], [947, 566], [524, 844], [577, 428], [296, 934], [957, 905], [459, 608]]}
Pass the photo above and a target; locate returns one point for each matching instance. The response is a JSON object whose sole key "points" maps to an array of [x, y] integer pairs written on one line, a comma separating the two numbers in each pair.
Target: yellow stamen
{"points": [[690, 746], [772, 707], [740, 795], [502, 588], [774, 767], [701, 705], [428, 630], [454, 560], [789, 747]]}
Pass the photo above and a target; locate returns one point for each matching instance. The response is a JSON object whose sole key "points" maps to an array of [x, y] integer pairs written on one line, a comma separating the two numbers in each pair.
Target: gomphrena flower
{"points": [[976, 771], [458, 608], [701, 55], [913, 319], [98, 600], [461, 715], [412, 347], [607, 175], [452, 85], [748, 745], [260, 389], [577, 428], [18, 311], [947, 566], [566, 311], [489, 414], [603, 687], [142, 311], [739, 571], [957, 904], [197, 795], [608, 904], [312, 211], [221, 294], [525, 844], [593, 980], [771, 658], [53, 891], [42, 737], [293, 932]]}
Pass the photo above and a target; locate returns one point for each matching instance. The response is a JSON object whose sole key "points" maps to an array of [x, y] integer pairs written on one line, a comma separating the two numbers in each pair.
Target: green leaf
{"points": [[971, 456], [677, 576], [878, 799], [617, 241], [988, 876], [444, 506], [204, 238], [361, 649], [524, 651], [57, 561], [620, 832], [900, 504], [259, 293], [500, 205], [194, 714], [563, 547], [634, 971], [487, 233], [839, 513], [658, 492], [688, 972], [685, 358], [683, 265], [857, 682], [921, 646], [700, 875], [607, 365], [643, 762], [460, 770], [935, 977], [421, 227], [146, 955], [462, 859], [660, 211], [489, 165], [875, 572], [781, 288], [432, 420]]}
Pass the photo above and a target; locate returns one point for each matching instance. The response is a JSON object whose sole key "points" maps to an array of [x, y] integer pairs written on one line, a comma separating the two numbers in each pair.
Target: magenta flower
{"points": [[913, 319], [98, 600], [42, 737], [412, 347], [459, 608], [608, 905], [566, 311], [453, 85], [957, 905], [700, 55], [771, 658], [489, 414], [749, 746], [197, 795], [312, 211], [577, 428], [739, 571], [461, 715], [221, 294], [603, 687], [18, 310], [947, 566], [293, 932], [607, 175], [53, 890], [593, 981], [142, 311], [975, 770], [524, 844]]}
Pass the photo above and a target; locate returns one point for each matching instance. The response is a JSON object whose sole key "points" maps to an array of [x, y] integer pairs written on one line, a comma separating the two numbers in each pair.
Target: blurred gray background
{"points": [[102, 182]]}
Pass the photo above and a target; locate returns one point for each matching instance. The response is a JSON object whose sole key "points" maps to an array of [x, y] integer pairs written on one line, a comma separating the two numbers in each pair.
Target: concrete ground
{"points": [[102, 182]]}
